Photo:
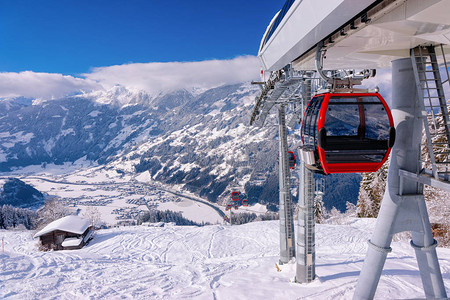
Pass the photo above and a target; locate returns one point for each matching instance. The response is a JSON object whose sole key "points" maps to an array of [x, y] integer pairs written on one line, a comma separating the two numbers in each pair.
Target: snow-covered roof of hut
{"points": [[72, 224], [71, 242]]}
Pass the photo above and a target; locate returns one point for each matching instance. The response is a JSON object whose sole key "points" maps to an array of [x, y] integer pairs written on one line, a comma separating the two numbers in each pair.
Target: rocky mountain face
{"points": [[206, 145], [201, 141]]}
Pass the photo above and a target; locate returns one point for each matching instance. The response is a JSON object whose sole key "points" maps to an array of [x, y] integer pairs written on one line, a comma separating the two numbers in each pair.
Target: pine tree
{"points": [[320, 212], [441, 145], [350, 209], [371, 192], [11, 217], [15, 217], [1, 219], [8, 216], [168, 216]]}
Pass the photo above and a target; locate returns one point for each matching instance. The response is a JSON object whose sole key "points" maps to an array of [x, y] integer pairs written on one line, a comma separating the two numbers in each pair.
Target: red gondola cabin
{"points": [[347, 133], [291, 159], [228, 207], [235, 196], [245, 202]]}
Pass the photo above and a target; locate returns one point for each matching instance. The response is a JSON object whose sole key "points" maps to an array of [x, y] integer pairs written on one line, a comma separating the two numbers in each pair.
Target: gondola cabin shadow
{"points": [[346, 133]]}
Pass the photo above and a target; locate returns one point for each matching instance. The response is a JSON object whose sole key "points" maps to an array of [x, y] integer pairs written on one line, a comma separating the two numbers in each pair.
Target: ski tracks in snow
{"points": [[211, 262]]}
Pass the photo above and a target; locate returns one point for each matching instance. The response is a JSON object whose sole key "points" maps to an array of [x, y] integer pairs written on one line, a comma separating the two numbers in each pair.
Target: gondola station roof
{"points": [[73, 224], [357, 33]]}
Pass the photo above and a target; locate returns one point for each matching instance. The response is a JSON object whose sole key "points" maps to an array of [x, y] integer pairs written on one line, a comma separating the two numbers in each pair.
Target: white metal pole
{"points": [[305, 248], [306, 254]]}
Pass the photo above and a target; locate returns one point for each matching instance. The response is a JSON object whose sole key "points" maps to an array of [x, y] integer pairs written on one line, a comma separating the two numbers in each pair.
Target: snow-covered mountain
{"points": [[198, 139], [66, 130]]}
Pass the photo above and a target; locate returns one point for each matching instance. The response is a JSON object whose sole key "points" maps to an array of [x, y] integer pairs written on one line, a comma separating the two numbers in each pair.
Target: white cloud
{"points": [[150, 77], [42, 85], [156, 77]]}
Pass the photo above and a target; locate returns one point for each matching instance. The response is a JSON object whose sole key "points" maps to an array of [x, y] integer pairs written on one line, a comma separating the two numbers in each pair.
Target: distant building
{"points": [[70, 232]]}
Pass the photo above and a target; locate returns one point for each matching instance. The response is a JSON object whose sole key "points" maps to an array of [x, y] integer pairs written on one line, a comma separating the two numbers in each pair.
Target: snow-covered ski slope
{"points": [[211, 262]]}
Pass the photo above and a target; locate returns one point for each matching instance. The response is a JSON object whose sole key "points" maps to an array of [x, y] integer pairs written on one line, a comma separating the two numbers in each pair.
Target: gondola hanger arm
{"points": [[340, 79], [319, 64]]}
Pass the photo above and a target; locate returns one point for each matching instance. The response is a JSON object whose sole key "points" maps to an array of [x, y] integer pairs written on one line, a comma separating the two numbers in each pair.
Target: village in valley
{"points": [[113, 199]]}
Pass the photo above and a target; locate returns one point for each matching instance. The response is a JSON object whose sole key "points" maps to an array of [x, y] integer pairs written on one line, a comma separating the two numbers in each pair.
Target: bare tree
{"points": [[93, 215], [51, 211]]}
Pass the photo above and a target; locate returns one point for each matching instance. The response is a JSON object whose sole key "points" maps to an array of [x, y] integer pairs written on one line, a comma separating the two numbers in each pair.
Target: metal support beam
{"points": [[426, 179], [287, 242], [306, 252], [403, 207]]}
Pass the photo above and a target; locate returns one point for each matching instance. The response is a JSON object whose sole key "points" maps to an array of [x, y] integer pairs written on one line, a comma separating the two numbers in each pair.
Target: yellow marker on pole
{"points": [[278, 268]]}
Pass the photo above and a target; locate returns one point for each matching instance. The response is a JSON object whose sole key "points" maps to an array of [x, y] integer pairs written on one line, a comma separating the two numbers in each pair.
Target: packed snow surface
{"points": [[210, 262]]}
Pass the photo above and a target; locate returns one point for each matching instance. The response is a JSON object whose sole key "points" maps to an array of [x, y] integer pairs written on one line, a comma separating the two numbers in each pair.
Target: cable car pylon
{"points": [[306, 248], [282, 89], [287, 240], [403, 206]]}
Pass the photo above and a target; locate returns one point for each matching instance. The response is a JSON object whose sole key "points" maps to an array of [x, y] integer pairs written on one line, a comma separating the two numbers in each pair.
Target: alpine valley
{"points": [[199, 140]]}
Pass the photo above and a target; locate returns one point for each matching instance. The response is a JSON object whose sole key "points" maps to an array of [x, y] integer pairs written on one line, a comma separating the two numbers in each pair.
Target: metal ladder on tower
{"points": [[435, 114]]}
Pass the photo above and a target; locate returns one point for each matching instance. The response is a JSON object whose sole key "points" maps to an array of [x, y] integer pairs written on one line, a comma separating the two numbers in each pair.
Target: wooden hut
{"points": [[70, 232]]}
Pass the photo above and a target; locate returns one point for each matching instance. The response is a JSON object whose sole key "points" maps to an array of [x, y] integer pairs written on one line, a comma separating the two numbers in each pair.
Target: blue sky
{"points": [[72, 37]]}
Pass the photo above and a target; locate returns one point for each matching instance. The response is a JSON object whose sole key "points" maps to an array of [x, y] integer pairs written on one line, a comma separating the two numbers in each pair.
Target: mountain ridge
{"points": [[202, 141]]}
